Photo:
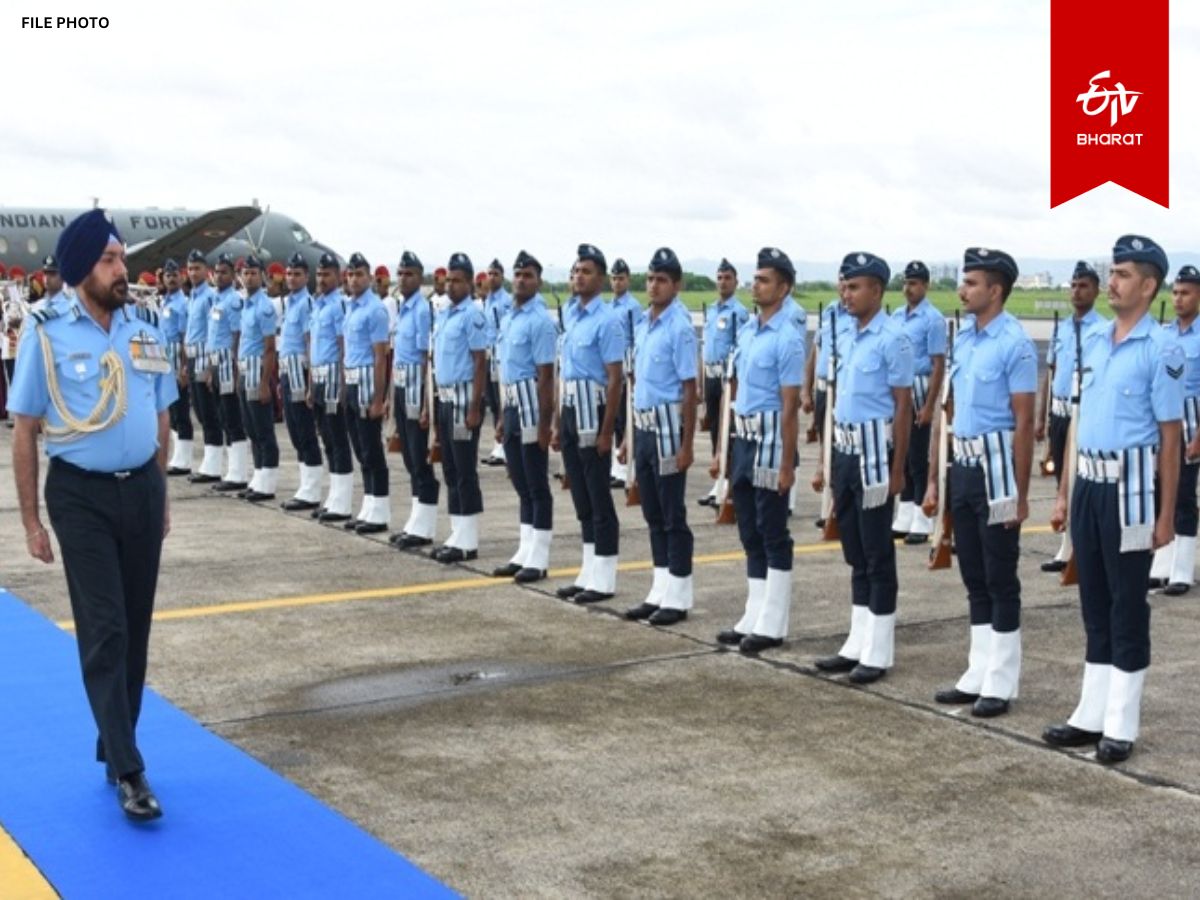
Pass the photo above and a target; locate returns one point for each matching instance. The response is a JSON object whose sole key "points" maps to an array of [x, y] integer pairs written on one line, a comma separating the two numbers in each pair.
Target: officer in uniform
{"points": [[224, 327], [94, 379], [201, 300], [528, 347], [460, 341], [294, 345], [497, 302], [926, 331], [993, 380], [257, 367], [1130, 413], [414, 324], [1174, 566], [872, 419], [593, 347], [365, 376], [1060, 362], [722, 322], [629, 313], [769, 368], [55, 288], [173, 320], [324, 392]]}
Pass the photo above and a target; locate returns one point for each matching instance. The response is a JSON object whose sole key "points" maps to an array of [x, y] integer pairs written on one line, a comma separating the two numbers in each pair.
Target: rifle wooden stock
{"points": [[830, 531], [563, 478], [725, 513], [633, 496], [1070, 574], [810, 436], [943, 530], [435, 446]]}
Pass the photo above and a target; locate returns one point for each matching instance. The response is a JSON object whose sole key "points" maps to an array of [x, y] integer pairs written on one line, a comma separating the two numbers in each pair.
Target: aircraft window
{"points": [[300, 236], [32, 245]]}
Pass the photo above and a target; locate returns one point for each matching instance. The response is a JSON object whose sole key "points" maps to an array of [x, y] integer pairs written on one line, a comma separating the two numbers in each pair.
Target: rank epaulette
{"points": [[45, 315]]}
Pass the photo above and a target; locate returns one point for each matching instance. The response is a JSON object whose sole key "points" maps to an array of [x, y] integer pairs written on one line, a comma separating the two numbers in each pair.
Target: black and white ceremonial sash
{"points": [[174, 356], [1060, 407], [459, 396], [994, 454], [1132, 470], [223, 361], [494, 364], [251, 374], [585, 397], [361, 380], [870, 442], [326, 386], [1191, 422], [523, 397], [197, 360], [666, 421], [762, 429], [293, 367], [407, 376], [920, 391]]}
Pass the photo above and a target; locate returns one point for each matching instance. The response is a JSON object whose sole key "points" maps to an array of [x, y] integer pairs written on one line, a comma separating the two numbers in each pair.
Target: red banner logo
{"points": [[1109, 99]]}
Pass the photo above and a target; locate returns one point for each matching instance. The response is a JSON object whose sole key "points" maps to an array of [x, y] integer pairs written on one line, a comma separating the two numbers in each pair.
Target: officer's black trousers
{"points": [[229, 409], [663, 507], [180, 414], [259, 418], [491, 397], [204, 402], [590, 493], [301, 427], [415, 453], [335, 438], [762, 516], [867, 544], [916, 464], [987, 554], [110, 533], [366, 437], [712, 409], [460, 465], [529, 469], [1112, 585], [1185, 501], [1056, 434]]}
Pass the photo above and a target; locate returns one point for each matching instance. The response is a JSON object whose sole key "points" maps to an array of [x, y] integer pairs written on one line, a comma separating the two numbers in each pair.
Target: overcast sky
{"points": [[911, 128]]}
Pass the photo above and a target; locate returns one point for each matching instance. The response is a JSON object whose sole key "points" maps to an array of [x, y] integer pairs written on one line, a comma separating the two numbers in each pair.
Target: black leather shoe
{"points": [[409, 541], [1069, 736], [449, 555], [528, 576], [317, 513], [590, 596], [351, 524], [897, 535], [200, 478], [1156, 583], [730, 637], [371, 528], [666, 617], [954, 695], [835, 663], [914, 540], [616, 482], [136, 798], [228, 487], [861, 674], [820, 523], [241, 495], [567, 591], [1113, 751], [641, 611], [327, 516], [707, 501], [1054, 565], [295, 505], [754, 644], [176, 470], [257, 496], [989, 707], [508, 570], [1176, 589]]}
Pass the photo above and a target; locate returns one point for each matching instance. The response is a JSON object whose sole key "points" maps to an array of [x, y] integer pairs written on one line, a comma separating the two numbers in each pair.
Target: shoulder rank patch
{"points": [[45, 315], [1175, 372]]}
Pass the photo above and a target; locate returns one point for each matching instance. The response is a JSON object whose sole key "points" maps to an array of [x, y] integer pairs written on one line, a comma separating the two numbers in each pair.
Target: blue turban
{"points": [[82, 243]]}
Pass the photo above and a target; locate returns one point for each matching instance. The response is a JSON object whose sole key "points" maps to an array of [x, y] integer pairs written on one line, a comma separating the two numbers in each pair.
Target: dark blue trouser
{"points": [[867, 544], [916, 464], [204, 402], [987, 554], [1185, 501], [460, 466], [366, 438], [301, 427], [180, 414], [259, 419], [229, 409], [762, 516], [1112, 584], [335, 437], [415, 452], [1056, 434], [664, 508], [529, 469], [589, 472], [712, 409]]}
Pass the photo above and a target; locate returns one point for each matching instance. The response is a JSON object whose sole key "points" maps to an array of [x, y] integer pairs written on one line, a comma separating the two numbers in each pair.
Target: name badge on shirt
{"points": [[148, 355], [722, 324], [216, 315]]}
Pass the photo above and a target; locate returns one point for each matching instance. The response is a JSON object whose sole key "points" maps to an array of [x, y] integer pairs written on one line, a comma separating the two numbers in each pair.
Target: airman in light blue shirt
{"points": [[990, 365], [528, 339], [665, 357], [872, 360], [769, 356]]}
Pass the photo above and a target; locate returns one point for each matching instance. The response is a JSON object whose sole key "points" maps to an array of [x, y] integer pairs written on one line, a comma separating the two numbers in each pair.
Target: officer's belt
{"points": [[848, 439], [1100, 467], [870, 442], [195, 351], [454, 393], [993, 453], [1132, 470], [457, 399], [665, 421], [1061, 407], [658, 417], [714, 370], [71, 468]]}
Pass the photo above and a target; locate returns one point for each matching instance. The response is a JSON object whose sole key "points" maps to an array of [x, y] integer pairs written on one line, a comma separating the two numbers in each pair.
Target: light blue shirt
{"points": [[926, 331], [173, 320], [199, 309], [494, 307], [258, 322], [624, 305], [989, 367], [719, 328], [366, 325], [592, 340], [414, 317], [796, 313], [460, 330], [770, 356], [871, 362], [664, 356], [328, 314], [833, 314], [528, 339], [1062, 346], [224, 320], [297, 315], [77, 343], [1130, 388], [1189, 342]]}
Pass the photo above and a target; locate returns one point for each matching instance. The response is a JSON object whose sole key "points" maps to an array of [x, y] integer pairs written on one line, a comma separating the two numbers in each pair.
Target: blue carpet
{"points": [[268, 838]]}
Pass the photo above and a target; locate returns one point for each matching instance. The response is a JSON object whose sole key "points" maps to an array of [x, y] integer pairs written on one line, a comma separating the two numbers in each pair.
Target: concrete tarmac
{"points": [[514, 745]]}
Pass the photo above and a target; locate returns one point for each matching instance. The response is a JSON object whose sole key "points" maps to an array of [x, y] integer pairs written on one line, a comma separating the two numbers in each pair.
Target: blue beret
{"points": [[50, 263], [917, 269], [170, 266], [252, 262], [1135, 248], [358, 261], [297, 261], [82, 243], [410, 260], [1084, 269], [225, 259], [1189, 274], [196, 256], [525, 261], [726, 266], [860, 265], [985, 260], [460, 262], [589, 251], [774, 258], [496, 267], [328, 261], [620, 267], [664, 260]]}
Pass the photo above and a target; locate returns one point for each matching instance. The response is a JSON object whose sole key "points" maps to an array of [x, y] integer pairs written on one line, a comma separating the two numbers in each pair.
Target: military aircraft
{"points": [[27, 234]]}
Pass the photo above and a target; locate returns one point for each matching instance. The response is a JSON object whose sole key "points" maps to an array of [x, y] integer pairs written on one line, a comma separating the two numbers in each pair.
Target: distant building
{"points": [[1035, 280]]}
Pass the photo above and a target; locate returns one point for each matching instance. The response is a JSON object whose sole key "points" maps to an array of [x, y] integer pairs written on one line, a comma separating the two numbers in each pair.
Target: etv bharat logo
{"points": [[1118, 101]]}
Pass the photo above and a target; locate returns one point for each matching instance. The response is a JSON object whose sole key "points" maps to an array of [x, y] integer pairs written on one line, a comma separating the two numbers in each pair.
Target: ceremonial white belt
{"points": [[665, 421], [714, 370], [326, 386], [993, 453], [1061, 407], [225, 364], [870, 442], [195, 351], [750, 428], [360, 382], [523, 397], [762, 429], [1132, 470], [1100, 467]]}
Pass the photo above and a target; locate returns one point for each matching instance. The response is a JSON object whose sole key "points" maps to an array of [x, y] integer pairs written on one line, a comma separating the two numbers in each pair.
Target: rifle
{"points": [[943, 529], [725, 511], [435, 446], [1162, 310], [633, 496], [558, 384], [810, 436], [1070, 575], [1047, 463], [830, 531], [706, 419]]}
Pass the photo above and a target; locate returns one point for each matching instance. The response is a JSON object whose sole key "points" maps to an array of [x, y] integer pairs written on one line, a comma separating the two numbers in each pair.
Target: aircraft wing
{"points": [[205, 234]]}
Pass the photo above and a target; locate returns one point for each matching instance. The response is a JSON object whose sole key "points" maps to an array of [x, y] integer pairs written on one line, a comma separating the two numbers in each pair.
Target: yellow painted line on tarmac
{"points": [[460, 584], [20, 878]]}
